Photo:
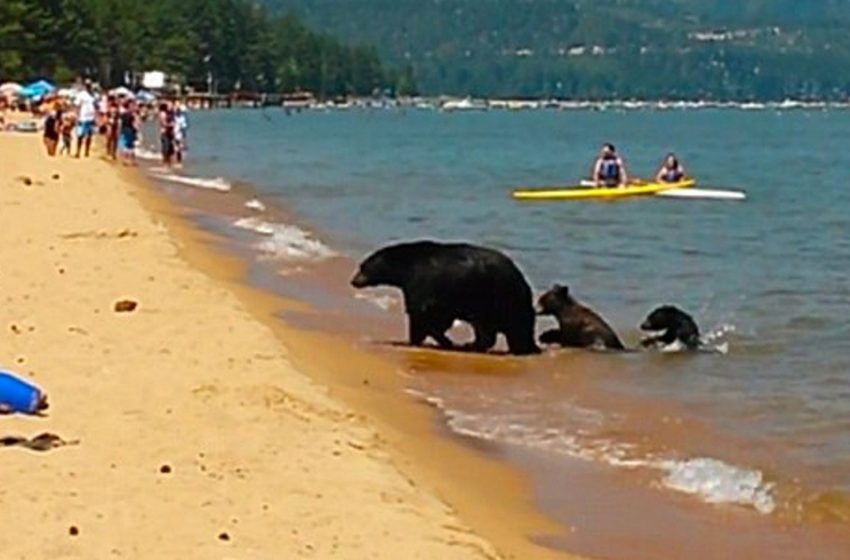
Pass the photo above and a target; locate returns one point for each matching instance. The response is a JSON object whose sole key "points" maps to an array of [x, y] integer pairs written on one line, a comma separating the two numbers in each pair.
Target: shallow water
{"points": [[765, 427]]}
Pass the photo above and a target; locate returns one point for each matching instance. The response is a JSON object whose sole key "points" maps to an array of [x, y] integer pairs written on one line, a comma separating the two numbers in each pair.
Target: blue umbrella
{"points": [[37, 89]]}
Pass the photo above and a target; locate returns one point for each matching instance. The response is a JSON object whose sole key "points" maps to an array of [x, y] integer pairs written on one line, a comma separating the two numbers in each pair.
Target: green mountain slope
{"points": [[226, 44], [750, 49]]}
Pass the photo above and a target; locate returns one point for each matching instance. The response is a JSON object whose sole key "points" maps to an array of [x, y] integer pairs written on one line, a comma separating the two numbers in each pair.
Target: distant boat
{"points": [[466, 104]]}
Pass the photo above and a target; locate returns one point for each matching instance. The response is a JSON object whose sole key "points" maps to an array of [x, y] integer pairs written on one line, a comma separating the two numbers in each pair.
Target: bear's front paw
{"points": [[552, 336]]}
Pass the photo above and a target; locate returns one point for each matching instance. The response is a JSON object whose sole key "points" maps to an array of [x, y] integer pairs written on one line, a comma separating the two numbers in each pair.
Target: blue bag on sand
{"points": [[17, 395]]}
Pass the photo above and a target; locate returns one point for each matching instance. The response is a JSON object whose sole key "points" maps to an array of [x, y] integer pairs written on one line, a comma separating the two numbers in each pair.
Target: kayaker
{"points": [[609, 169], [671, 170]]}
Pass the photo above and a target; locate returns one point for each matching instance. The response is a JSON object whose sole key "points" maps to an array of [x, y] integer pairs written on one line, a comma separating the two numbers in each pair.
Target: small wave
{"points": [[284, 241], [256, 225], [217, 184], [255, 204], [144, 153], [719, 333], [714, 341], [717, 482], [711, 480]]}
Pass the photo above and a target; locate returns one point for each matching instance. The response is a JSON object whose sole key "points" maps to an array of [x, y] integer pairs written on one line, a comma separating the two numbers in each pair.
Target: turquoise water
{"points": [[767, 276]]}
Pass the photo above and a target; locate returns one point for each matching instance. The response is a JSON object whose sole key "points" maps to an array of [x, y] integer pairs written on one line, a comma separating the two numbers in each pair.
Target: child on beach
{"points": [[67, 128]]}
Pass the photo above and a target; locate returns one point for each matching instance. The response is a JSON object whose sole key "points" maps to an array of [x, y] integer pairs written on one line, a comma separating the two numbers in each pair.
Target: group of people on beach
{"points": [[118, 117], [609, 169]]}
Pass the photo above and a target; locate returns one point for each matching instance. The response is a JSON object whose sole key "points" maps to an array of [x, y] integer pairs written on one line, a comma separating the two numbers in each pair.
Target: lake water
{"points": [[762, 428]]}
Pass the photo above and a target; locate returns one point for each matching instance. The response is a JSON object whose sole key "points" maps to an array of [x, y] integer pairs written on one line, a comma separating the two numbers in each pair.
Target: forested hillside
{"points": [[234, 41], [747, 49]]}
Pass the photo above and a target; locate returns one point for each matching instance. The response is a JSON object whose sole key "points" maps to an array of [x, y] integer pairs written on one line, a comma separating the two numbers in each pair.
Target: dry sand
{"points": [[261, 461]]}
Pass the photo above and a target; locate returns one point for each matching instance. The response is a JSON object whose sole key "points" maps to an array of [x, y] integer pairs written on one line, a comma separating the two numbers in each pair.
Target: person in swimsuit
{"points": [[113, 123], [52, 129]]}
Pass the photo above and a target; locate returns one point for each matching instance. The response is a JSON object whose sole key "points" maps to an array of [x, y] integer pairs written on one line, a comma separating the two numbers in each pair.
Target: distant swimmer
{"points": [[671, 170], [609, 169]]}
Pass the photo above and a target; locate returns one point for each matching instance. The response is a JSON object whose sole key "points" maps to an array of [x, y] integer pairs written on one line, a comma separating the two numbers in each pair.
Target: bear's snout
{"points": [[360, 280]]}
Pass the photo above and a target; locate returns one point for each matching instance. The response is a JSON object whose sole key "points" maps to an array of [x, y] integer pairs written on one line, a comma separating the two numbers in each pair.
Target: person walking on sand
{"points": [[128, 133], [52, 128], [113, 123], [86, 118]]}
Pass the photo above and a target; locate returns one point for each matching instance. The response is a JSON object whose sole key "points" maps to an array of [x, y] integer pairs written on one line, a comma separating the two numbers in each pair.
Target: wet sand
{"points": [[204, 432]]}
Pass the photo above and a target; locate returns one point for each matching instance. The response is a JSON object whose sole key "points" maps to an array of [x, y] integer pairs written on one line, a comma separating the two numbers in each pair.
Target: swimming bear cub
{"points": [[578, 326], [674, 325], [442, 282]]}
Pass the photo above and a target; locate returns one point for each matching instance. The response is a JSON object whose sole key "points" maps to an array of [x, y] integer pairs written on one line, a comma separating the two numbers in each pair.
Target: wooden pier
{"points": [[247, 99]]}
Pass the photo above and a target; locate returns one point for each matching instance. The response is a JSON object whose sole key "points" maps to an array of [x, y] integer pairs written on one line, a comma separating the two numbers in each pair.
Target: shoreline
{"points": [[708, 511], [491, 496], [190, 404], [568, 479]]}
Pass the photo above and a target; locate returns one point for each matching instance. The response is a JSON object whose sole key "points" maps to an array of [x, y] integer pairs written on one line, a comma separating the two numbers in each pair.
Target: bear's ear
{"points": [[563, 291]]}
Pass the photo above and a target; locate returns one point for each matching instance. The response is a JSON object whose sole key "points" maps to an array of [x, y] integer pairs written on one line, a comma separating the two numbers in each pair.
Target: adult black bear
{"points": [[578, 326], [674, 325], [442, 282]]}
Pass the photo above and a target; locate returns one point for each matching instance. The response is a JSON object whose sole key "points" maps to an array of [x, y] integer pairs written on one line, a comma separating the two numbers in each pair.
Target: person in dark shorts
{"points": [[128, 132], [167, 124]]}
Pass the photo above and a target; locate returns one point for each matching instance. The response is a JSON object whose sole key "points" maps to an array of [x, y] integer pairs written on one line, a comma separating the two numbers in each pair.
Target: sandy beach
{"points": [[193, 435]]}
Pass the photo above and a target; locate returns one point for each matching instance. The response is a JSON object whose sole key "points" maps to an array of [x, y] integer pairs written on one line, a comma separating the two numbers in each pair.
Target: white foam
{"points": [[713, 341], [256, 225], [719, 332], [717, 482], [711, 480], [144, 153], [255, 204], [216, 184], [284, 241], [384, 302], [674, 347]]}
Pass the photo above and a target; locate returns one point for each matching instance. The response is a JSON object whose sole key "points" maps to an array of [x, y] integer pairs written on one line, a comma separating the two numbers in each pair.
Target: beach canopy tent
{"points": [[10, 88], [121, 92], [37, 89]]}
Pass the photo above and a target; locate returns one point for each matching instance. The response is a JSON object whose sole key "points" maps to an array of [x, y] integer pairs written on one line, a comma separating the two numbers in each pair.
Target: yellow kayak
{"points": [[636, 188]]}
